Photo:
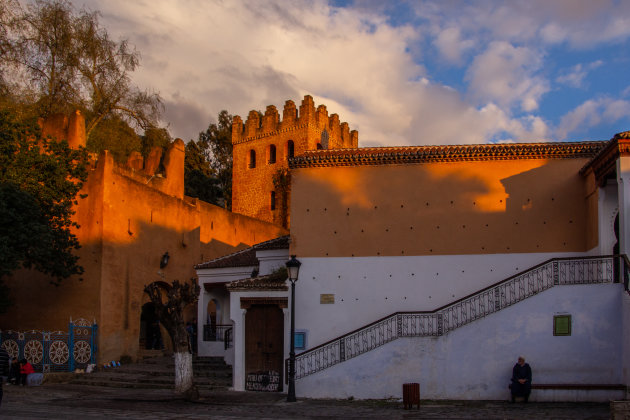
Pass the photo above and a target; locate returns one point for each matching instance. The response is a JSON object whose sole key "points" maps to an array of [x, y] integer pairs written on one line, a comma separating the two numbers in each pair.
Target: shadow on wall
{"points": [[446, 208], [112, 289]]}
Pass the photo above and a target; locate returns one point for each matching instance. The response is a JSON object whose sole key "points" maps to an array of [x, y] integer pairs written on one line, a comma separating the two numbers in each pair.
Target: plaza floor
{"points": [[62, 401]]}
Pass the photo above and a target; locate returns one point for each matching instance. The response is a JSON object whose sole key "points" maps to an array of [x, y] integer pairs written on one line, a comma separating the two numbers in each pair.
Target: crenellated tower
{"points": [[263, 146]]}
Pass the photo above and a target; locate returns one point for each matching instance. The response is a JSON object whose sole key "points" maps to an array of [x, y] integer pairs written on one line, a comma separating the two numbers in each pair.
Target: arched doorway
{"points": [[211, 314], [150, 334]]}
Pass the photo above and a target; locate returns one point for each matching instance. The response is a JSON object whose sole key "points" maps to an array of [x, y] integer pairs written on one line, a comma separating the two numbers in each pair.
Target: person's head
{"points": [[521, 360], [14, 360]]}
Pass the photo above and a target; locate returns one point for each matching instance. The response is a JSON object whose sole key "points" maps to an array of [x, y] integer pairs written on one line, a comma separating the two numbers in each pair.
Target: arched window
{"points": [[252, 159], [272, 154], [273, 200], [290, 149]]}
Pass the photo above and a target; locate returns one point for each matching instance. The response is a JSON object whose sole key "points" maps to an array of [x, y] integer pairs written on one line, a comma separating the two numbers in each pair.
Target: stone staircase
{"points": [[211, 373]]}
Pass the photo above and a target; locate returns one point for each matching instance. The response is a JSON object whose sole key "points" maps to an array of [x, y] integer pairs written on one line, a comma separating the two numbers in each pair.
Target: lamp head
{"points": [[293, 267]]}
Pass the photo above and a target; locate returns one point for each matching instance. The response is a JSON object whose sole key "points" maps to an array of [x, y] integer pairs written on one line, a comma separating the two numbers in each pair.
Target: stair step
{"points": [[158, 372], [145, 385]]}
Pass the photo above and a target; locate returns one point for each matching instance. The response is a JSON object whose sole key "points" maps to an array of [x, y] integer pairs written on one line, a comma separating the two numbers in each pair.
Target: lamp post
{"points": [[293, 267]]}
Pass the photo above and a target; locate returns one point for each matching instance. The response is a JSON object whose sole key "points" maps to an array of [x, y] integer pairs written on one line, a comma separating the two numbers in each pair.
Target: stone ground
{"points": [[67, 401]]}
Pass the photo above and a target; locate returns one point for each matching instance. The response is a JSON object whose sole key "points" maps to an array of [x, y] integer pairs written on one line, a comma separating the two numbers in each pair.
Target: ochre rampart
{"points": [[130, 218], [538, 205], [262, 146]]}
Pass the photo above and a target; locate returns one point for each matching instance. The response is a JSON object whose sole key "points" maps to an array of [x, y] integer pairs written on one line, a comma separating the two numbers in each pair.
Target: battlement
{"points": [[137, 167], [270, 124]]}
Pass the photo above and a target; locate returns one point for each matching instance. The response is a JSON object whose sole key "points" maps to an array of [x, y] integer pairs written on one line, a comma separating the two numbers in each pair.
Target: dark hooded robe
{"points": [[521, 372]]}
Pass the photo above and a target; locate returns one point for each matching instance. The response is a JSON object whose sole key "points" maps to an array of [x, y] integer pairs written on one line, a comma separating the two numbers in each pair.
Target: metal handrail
{"points": [[507, 292], [215, 332]]}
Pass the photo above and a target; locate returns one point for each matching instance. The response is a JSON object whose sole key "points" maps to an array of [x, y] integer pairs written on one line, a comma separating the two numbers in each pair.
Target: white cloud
{"points": [[506, 74], [591, 113], [239, 56], [451, 45], [575, 77], [580, 23], [205, 56]]}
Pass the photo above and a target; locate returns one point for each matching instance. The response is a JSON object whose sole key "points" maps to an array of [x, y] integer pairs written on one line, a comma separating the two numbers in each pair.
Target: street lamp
{"points": [[293, 267]]}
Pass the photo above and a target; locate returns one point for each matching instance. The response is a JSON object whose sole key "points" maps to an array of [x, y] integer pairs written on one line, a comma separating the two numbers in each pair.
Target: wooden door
{"points": [[264, 342]]}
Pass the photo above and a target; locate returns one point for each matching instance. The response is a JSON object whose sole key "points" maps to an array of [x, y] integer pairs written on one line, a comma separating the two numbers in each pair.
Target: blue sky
{"points": [[402, 73]]}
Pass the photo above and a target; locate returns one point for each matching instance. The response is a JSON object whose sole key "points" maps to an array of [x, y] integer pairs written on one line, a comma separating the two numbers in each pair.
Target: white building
{"points": [[440, 265]]}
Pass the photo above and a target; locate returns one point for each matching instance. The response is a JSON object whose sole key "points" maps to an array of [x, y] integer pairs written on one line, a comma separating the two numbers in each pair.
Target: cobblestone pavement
{"points": [[59, 401]]}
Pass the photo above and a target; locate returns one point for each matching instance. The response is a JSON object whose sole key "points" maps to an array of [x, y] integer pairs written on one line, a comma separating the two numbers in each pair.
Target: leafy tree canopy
{"points": [[39, 183], [209, 159], [55, 59]]}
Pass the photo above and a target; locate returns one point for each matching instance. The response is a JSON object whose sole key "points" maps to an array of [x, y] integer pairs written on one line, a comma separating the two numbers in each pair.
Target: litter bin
{"points": [[411, 395]]}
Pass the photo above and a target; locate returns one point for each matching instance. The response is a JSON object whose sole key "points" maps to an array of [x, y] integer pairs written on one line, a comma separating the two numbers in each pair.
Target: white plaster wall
{"points": [[475, 361], [270, 260], [222, 298], [625, 302], [369, 288], [623, 186], [608, 206]]}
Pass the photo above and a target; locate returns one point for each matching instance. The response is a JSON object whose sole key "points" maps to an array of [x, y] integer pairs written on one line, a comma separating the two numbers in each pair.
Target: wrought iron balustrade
{"points": [[214, 332], [555, 272]]}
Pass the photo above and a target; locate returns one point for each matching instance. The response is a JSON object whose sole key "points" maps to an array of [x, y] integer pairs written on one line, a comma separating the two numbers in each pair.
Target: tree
{"points": [[199, 177], [7, 49], [155, 137], [169, 302], [115, 135], [71, 63], [216, 145], [39, 183]]}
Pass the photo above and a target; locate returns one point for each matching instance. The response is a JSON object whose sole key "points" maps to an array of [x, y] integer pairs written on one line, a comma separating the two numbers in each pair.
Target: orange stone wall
{"points": [[252, 187], [128, 221], [487, 207]]}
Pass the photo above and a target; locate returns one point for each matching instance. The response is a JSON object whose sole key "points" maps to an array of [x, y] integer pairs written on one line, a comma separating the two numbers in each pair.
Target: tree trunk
{"points": [[184, 376]]}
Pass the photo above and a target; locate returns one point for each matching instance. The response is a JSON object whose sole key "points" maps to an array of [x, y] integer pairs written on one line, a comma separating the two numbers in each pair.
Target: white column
{"points": [[238, 369], [623, 183], [201, 320]]}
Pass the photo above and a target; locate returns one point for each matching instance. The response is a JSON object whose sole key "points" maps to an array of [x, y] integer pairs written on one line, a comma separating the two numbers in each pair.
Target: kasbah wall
{"points": [[517, 205], [253, 142], [130, 218]]}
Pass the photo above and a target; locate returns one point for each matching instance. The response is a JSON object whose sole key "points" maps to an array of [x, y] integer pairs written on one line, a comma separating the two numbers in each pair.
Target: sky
{"points": [[401, 73]]}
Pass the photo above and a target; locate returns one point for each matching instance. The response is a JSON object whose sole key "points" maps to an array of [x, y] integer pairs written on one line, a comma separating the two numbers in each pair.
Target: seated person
{"points": [[25, 369], [521, 380]]}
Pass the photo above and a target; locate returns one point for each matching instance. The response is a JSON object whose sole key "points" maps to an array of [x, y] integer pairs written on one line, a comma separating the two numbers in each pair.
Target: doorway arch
{"points": [[150, 334]]}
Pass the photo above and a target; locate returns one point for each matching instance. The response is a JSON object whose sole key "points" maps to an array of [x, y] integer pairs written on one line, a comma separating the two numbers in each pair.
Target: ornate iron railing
{"points": [[54, 351], [555, 272], [215, 332]]}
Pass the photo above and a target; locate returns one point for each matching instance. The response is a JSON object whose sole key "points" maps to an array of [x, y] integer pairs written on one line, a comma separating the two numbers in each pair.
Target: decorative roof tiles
{"points": [[453, 153], [604, 163], [269, 282], [247, 256]]}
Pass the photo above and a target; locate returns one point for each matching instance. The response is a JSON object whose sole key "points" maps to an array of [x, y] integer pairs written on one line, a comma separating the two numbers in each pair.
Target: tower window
{"points": [[272, 154], [252, 159], [290, 149], [273, 200]]}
